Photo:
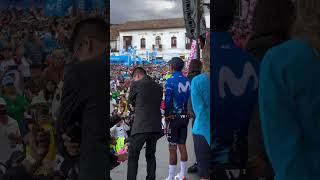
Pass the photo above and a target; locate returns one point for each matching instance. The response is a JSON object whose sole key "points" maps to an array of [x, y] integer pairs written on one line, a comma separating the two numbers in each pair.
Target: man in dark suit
{"points": [[145, 96], [83, 118]]}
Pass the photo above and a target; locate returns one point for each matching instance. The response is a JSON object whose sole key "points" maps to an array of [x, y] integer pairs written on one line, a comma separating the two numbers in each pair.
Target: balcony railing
{"points": [[158, 47]]}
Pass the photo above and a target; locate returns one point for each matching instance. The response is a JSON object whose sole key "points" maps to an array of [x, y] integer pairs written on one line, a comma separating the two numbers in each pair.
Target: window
{"points": [[127, 41], [158, 40], [173, 42], [142, 43]]}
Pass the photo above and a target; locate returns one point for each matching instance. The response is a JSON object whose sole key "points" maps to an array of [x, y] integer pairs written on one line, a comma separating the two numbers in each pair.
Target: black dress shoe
{"points": [[193, 168]]}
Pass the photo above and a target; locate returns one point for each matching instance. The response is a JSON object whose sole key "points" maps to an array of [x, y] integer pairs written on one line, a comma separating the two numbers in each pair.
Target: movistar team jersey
{"points": [[177, 94], [234, 93]]}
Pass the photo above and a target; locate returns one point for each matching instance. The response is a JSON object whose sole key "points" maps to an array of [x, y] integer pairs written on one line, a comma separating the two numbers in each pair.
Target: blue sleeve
{"points": [[292, 158], [168, 97], [199, 93], [194, 95]]}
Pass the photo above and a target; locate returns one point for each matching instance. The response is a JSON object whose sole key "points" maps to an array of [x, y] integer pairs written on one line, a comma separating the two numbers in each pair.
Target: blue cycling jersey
{"points": [[234, 93], [177, 94]]}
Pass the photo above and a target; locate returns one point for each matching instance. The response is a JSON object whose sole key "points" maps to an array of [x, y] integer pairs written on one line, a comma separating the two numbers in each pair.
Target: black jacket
{"points": [[84, 100], [146, 96]]}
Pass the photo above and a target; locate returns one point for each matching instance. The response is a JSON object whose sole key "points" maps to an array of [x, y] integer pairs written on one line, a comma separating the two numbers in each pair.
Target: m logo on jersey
{"points": [[183, 88], [237, 86]]}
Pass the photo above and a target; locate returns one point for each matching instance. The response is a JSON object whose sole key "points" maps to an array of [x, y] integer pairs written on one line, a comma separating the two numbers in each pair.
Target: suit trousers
{"points": [[136, 143]]}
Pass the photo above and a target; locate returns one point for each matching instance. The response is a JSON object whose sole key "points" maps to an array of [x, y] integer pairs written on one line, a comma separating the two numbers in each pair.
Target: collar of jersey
{"points": [[177, 73], [219, 39]]}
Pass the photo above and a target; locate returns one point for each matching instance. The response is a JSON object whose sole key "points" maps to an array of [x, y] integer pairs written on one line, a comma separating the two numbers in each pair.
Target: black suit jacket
{"points": [[84, 100], [146, 96]]}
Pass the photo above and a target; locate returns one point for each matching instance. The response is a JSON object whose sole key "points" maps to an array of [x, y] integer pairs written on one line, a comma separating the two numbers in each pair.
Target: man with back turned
{"points": [[83, 115], [145, 97]]}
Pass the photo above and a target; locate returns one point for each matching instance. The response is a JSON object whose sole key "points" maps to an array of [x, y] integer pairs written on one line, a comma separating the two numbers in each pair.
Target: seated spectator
{"points": [[26, 169], [24, 64], [8, 60], [56, 102], [16, 104], [33, 48], [120, 130], [10, 137], [43, 121], [54, 71]]}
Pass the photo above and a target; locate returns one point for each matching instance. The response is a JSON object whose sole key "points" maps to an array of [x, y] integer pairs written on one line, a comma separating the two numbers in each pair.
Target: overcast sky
{"points": [[132, 10]]}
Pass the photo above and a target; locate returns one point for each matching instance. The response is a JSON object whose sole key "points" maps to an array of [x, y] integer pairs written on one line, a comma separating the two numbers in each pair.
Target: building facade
{"points": [[166, 37]]}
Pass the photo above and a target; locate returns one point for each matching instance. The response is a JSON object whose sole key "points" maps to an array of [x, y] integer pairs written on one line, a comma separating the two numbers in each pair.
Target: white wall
{"points": [[113, 45], [150, 36]]}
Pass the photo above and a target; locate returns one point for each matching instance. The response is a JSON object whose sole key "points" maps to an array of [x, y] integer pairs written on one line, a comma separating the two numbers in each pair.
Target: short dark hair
{"points": [[94, 27], [273, 17], [224, 13], [139, 70], [177, 64], [195, 66]]}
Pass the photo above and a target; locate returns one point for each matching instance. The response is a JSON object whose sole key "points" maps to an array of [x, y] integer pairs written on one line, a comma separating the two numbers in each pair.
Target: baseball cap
{"points": [[11, 73], [7, 81], [177, 63]]}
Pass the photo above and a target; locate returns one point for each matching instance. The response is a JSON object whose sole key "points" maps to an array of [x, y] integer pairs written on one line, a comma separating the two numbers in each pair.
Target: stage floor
{"points": [[162, 155]]}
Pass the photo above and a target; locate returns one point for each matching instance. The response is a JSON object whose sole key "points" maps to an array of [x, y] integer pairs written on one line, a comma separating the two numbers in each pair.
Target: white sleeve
{"points": [[13, 128], [113, 131]]}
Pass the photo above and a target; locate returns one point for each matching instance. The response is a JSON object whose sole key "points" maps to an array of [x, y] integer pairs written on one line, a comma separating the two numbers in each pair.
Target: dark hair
{"points": [[139, 70], [224, 12], [273, 17], [90, 27], [177, 64], [195, 68]]}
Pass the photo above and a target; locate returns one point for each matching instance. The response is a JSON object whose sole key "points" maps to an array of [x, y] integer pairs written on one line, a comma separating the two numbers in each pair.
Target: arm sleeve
{"points": [[113, 131], [70, 109], [132, 94], [168, 98], [194, 95], [291, 157], [14, 129]]}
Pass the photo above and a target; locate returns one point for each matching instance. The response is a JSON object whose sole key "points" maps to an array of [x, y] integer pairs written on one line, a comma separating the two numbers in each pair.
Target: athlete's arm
{"points": [[132, 95], [168, 98]]}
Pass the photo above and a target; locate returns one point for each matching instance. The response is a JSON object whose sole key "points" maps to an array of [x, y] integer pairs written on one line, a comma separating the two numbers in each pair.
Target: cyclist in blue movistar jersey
{"points": [[234, 95], [176, 109]]}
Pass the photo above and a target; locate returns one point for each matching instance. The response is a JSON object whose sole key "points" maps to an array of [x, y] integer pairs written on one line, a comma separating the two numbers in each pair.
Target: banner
{"points": [[21, 4], [90, 5], [58, 7]]}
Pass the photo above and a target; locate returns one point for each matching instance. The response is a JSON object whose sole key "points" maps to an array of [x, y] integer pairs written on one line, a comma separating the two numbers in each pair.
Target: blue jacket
{"points": [[234, 94], [289, 99], [200, 93], [177, 94]]}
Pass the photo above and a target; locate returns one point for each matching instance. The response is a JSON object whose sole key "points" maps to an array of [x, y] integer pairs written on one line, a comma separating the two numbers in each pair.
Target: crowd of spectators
{"points": [[33, 54]]}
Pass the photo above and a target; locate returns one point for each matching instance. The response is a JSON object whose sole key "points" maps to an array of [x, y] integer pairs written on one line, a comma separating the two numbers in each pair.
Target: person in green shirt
{"points": [[115, 95], [16, 104]]}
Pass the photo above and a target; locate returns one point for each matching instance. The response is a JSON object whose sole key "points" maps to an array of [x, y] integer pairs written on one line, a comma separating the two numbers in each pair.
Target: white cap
{"points": [[38, 100], [3, 102]]}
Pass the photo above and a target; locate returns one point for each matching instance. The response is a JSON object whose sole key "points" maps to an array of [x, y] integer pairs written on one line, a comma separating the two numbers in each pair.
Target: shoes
{"points": [[193, 168], [177, 177]]}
